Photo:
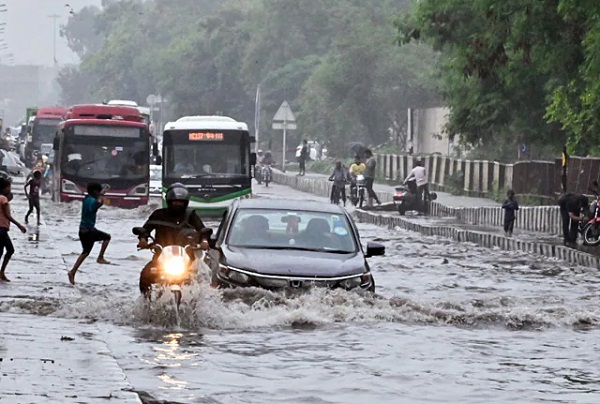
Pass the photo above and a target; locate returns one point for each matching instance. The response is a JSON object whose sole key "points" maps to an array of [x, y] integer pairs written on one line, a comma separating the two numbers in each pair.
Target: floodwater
{"points": [[449, 323]]}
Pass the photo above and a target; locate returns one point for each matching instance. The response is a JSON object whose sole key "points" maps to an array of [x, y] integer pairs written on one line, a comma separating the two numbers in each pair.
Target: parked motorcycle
{"points": [[175, 266], [590, 230], [405, 198]]}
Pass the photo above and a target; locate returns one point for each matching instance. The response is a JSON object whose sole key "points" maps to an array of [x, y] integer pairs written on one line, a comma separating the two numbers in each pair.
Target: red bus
{"points": [[42, 131], [105, 144]]}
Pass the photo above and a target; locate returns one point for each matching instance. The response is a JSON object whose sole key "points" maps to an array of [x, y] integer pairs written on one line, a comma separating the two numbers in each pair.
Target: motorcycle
{"points": [[266, 173], [357, 191], [590, 230], [174, 265], [406, 200]]}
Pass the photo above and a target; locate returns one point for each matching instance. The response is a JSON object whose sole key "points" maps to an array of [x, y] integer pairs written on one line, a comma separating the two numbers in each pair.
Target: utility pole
{"points": [[54, 18]]}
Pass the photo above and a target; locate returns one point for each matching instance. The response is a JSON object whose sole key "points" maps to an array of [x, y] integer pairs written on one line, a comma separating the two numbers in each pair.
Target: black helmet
{"points": [[177, 192]]}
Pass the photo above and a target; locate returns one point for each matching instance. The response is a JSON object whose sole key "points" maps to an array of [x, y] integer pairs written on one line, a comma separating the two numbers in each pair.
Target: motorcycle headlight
{"points": [[174, 266]]}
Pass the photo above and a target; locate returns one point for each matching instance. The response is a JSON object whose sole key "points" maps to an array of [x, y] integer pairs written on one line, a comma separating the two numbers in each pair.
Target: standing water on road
{"points": [[449, 322]]}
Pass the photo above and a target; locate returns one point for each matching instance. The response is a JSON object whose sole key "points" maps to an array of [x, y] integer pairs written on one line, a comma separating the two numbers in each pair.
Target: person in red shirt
{"points": [[5, 220]]}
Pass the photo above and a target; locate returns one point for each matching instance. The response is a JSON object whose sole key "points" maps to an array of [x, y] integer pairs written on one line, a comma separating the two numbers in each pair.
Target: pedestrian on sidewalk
{"points": [[34, 185], [510, 206], [88, 234], [5, 220], [369, 175], [571, 207], [303, 157]]}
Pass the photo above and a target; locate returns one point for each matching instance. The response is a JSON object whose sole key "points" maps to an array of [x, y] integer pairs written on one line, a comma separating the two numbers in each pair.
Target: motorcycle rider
{"points": [[420, 177], [571, 207], [339, 182], [168, 224], [357, 168]]}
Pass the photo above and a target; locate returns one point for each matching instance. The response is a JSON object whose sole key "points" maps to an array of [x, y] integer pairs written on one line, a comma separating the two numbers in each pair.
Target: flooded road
{"points": [[449, 323]]}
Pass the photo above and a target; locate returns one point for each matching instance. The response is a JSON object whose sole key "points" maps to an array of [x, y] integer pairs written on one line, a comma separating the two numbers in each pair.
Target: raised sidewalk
{"points": [[462, 218]]}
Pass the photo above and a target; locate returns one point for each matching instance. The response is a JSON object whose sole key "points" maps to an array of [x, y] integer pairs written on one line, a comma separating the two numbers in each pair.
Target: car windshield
{"points": [[293, 230]]}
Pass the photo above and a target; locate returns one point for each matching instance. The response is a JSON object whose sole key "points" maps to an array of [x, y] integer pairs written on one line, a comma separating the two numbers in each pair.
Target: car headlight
{"points": [[233, 275], [363, 281]]}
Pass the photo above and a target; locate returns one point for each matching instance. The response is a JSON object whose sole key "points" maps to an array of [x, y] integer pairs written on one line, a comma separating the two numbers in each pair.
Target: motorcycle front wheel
{"points": [[591, 234], [361, 199]]}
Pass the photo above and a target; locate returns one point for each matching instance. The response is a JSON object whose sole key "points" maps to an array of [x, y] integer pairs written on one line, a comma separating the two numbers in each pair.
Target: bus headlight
{"points": [[139, 190], [69, 187]]}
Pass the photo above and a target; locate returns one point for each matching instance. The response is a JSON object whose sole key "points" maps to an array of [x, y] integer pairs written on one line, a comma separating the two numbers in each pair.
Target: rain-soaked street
{"points": [[449, 323]]}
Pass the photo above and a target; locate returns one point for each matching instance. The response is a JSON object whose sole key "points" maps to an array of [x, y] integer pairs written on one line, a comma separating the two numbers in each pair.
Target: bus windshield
{"points": [[43, 130], [193, 155], [100, 157]]}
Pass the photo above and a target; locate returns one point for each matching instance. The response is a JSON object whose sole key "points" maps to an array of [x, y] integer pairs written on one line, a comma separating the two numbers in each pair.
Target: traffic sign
{"points": [[281, 126], [151, 99], [284, 114]]}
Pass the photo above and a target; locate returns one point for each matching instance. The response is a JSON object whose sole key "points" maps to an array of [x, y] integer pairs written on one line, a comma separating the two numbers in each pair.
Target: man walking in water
{"points": [[369, 175]]}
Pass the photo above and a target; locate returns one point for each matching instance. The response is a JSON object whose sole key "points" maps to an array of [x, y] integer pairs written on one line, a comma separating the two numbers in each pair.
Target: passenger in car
{"points": [[254, 231]]}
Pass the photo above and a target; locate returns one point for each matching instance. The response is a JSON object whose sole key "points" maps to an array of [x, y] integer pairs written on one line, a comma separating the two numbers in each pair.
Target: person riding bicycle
{"points": [[339, 182], [170, 224], [267, 158]]}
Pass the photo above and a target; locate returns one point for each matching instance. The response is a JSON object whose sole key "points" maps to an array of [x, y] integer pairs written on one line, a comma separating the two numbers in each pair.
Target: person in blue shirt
{"points": [[88, 234]]}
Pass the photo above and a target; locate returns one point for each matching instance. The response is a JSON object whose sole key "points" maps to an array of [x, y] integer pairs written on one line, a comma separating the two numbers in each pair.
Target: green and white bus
{"points": [[211, 156]]}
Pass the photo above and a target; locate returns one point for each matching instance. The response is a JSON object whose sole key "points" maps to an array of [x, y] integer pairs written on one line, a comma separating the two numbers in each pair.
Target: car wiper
{"points": [[304, 249]]}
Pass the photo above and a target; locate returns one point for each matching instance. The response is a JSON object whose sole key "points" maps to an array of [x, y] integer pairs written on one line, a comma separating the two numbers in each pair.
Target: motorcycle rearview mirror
{"points": [[138, 231]]}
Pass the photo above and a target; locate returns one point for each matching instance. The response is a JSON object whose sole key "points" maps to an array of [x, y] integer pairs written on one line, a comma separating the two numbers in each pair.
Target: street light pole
{"points": [[54, 18]]}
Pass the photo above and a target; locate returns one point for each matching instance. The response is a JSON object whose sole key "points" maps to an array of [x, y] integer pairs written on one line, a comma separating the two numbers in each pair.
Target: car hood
{"points": [[294, 262]]}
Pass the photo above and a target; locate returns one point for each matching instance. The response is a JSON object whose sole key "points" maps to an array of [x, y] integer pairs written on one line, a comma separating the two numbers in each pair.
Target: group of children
{"points": [[88, 234]]}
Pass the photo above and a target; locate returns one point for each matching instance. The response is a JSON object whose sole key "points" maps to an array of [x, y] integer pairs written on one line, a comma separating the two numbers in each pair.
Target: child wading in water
{"points": [[33, 195], [5, 221], [88, 234], [510, 205]]}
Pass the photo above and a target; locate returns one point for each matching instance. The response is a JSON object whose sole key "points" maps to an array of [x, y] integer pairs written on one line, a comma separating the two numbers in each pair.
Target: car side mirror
{"points": [[252, 159], [55, 143], [155, 149], [206, 233], [374, 249]]}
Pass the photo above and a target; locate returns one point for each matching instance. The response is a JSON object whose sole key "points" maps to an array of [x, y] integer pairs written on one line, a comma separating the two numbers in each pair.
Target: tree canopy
{"points": [[335, 61], [525, 71]]}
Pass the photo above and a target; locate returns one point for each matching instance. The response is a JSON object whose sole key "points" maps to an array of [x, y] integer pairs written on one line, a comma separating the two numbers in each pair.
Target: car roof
{"points": [[289, 204]]}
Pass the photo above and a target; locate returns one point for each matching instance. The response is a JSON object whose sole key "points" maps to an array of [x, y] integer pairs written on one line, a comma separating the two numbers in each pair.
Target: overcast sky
{"points": [[29, 30]]}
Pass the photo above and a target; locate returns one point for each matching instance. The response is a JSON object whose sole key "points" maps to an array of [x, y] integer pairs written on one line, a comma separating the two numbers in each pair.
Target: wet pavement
{"points": [[450, 322]]}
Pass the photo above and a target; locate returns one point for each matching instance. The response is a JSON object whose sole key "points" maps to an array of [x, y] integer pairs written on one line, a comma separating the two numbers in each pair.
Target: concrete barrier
{"points": [[542, 219], [538, 219], [484, 239]]}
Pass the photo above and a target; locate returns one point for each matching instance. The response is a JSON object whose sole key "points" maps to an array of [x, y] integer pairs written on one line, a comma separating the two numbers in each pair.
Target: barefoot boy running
{"points": [[5, 220], [88, 234]]}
